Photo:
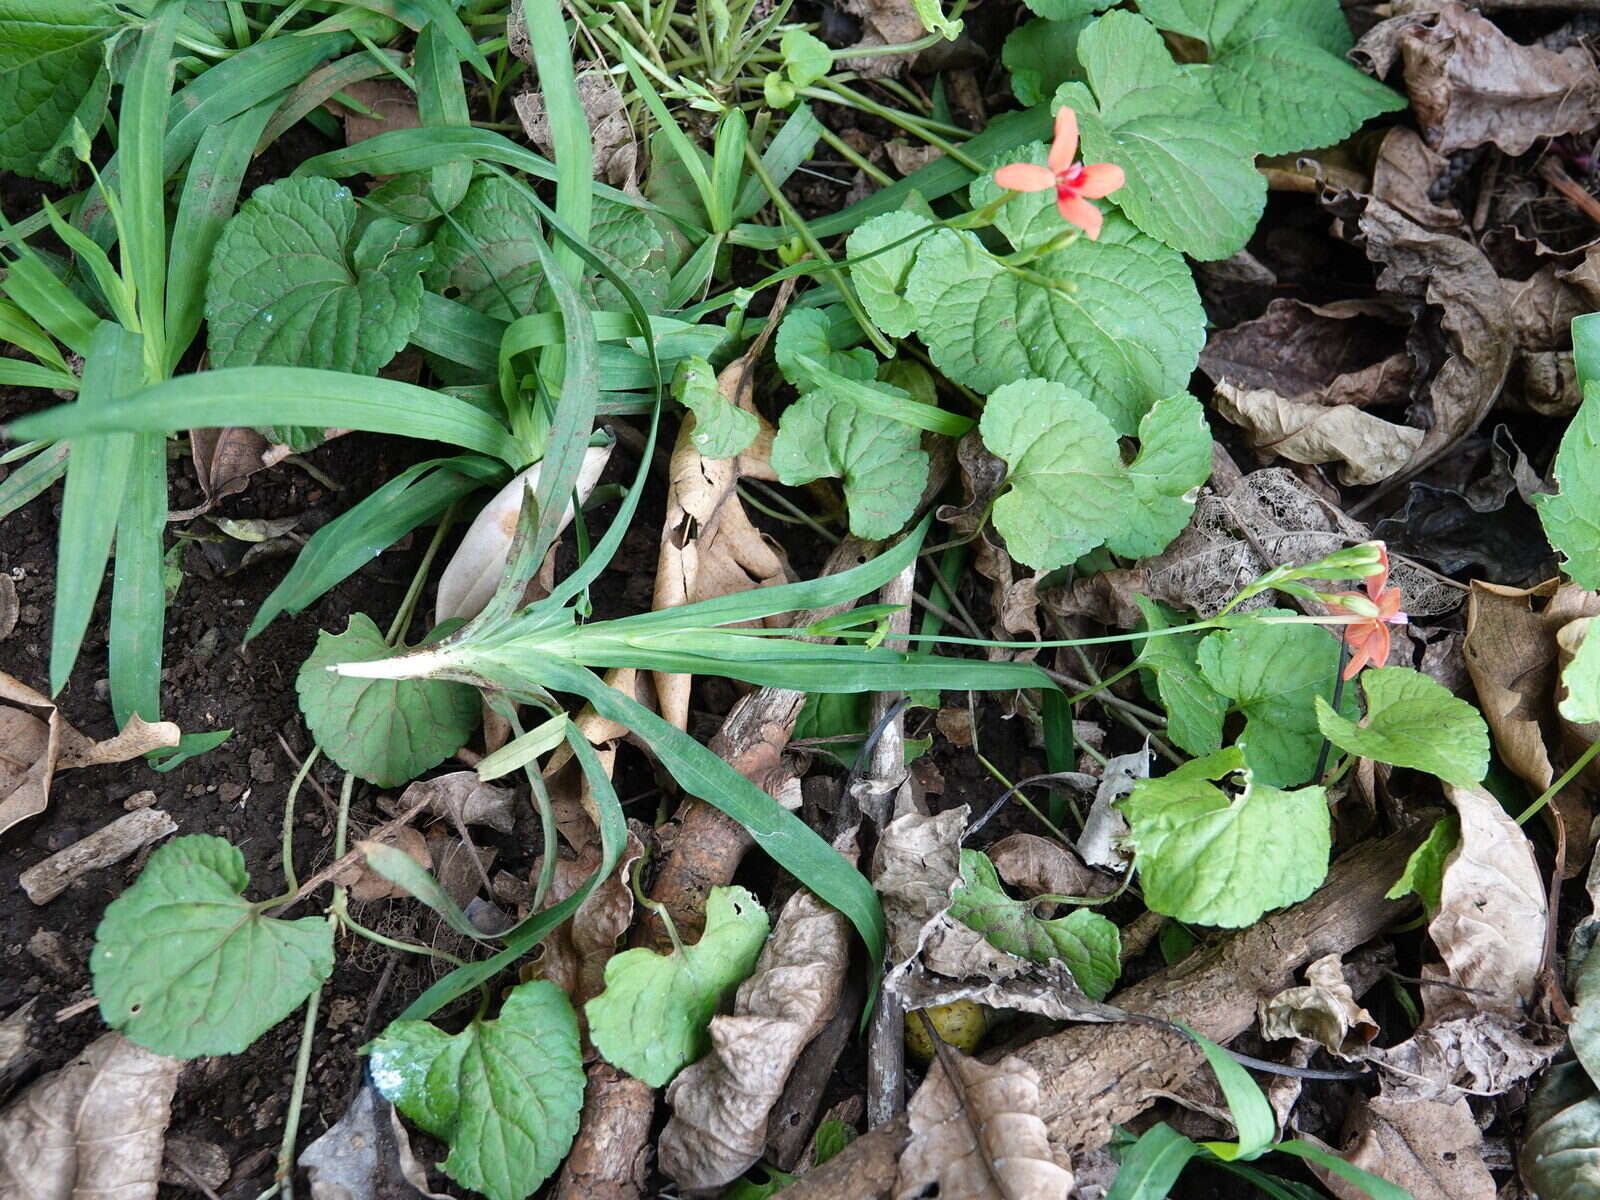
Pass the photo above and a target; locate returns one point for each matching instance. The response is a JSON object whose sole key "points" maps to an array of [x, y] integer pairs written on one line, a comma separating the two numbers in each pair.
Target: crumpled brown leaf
{"points": [[95, 1127], [1481, 1055], [1324, 1010], [1037, 865], [1432, 1149], [1451, 273], [1368, 449], [575, 954], [883, 23], [720, 1104], [1350, 352], [709, 547], [33, 749], [393, 106], [366, 1155], [1492, 907], [1014, 595], [1471, 84], [366, 885], [615, 151], [936, 959], [1512, 655], [461, 796], [223, 461], [980, 1137]]}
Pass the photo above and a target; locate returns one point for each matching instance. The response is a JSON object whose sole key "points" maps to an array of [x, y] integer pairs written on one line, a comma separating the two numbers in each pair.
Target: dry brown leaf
{"points": [[884, 23], [1511, 657], [33, 748], [1454, 275], [95, 1127], [1431, 1149], [1471, 84], [1368, 448], [1492, 906], [1324, 1010], [1038, 865], [980, 1136], [367, 885], [709, 547], [720, 1104], [461, 796], [615, 150], [916, 865], [223, 461], [392, 104], [1481, 1055], [365, 1156], [1352, 352], [1015, 600], [1105, 841]]}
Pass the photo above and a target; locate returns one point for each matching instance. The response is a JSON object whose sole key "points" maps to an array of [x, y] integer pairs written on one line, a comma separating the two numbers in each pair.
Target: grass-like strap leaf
{"points": [[351, 540], [97, 474], [184, 965], [651, 1019], [503, 1094], [283, 396], [1151, 1166], [1247, 1104], [387, 731], [1412, 722]]}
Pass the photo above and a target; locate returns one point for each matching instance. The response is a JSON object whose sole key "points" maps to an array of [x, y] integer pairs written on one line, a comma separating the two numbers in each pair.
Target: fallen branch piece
{"points": [[125, 836]]}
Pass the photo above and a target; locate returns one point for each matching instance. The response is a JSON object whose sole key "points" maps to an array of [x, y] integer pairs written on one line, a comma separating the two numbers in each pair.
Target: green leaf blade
{"points": [[387, 731], [184, 965], [504, 1094], [651, 1019], [1412, 722]]}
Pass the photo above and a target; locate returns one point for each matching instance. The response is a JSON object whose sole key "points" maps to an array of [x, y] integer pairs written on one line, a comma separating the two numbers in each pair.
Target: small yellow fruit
{"points": [[961, 1023]]}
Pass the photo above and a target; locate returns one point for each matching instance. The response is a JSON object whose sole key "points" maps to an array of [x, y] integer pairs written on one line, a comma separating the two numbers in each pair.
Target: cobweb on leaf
{"points": [[1270, 518]]}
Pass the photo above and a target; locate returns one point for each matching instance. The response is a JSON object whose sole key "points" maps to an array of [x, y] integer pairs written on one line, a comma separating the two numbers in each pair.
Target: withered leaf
{"points": [[709, 547], [366, 1155], [1368, 449], [979, 1136], [95, 1127], [720, 1104], [1432, 1149], [1324, 1010]]}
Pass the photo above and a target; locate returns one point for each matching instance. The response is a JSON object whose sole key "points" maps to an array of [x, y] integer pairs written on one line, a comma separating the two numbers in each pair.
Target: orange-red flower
{"points": [[1075, 183], [1368, 638]]}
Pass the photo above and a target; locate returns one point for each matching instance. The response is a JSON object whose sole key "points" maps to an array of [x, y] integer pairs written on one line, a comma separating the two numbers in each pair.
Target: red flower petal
{"points": [[1065, 147], [1080, 213], [1025, 177], [1101, 179]]}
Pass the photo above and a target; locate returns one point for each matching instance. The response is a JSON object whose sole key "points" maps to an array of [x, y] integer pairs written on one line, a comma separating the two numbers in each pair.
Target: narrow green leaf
{"points": [[33, 477], [1247, 1104], [282, 396], [184, 965], [1424, 873], [141, 132], [1151, 1166], [1373, 1185], [569, 127], [352, 539], [210, 191], [97, 475], [442, 100], [138, 592]]}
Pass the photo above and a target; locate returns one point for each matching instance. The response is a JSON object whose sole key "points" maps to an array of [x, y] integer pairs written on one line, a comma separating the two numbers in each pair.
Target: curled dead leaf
{"points": [[1324, 1010], [461, 796], [1432, 1149], [366, 1155], [367, 885], [34, 748], [720, 1104], [709, 547], [95, 1127], [1037, 865], [978, 1135], [1368, 448]]}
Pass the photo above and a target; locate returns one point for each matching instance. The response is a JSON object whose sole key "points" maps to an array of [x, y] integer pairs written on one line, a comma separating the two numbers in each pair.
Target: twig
{"points": [[1569, 187]]}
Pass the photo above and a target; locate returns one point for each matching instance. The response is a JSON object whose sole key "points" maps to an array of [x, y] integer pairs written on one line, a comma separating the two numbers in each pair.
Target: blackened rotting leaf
{"points": [[1349, 352], [1485, 525]]}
